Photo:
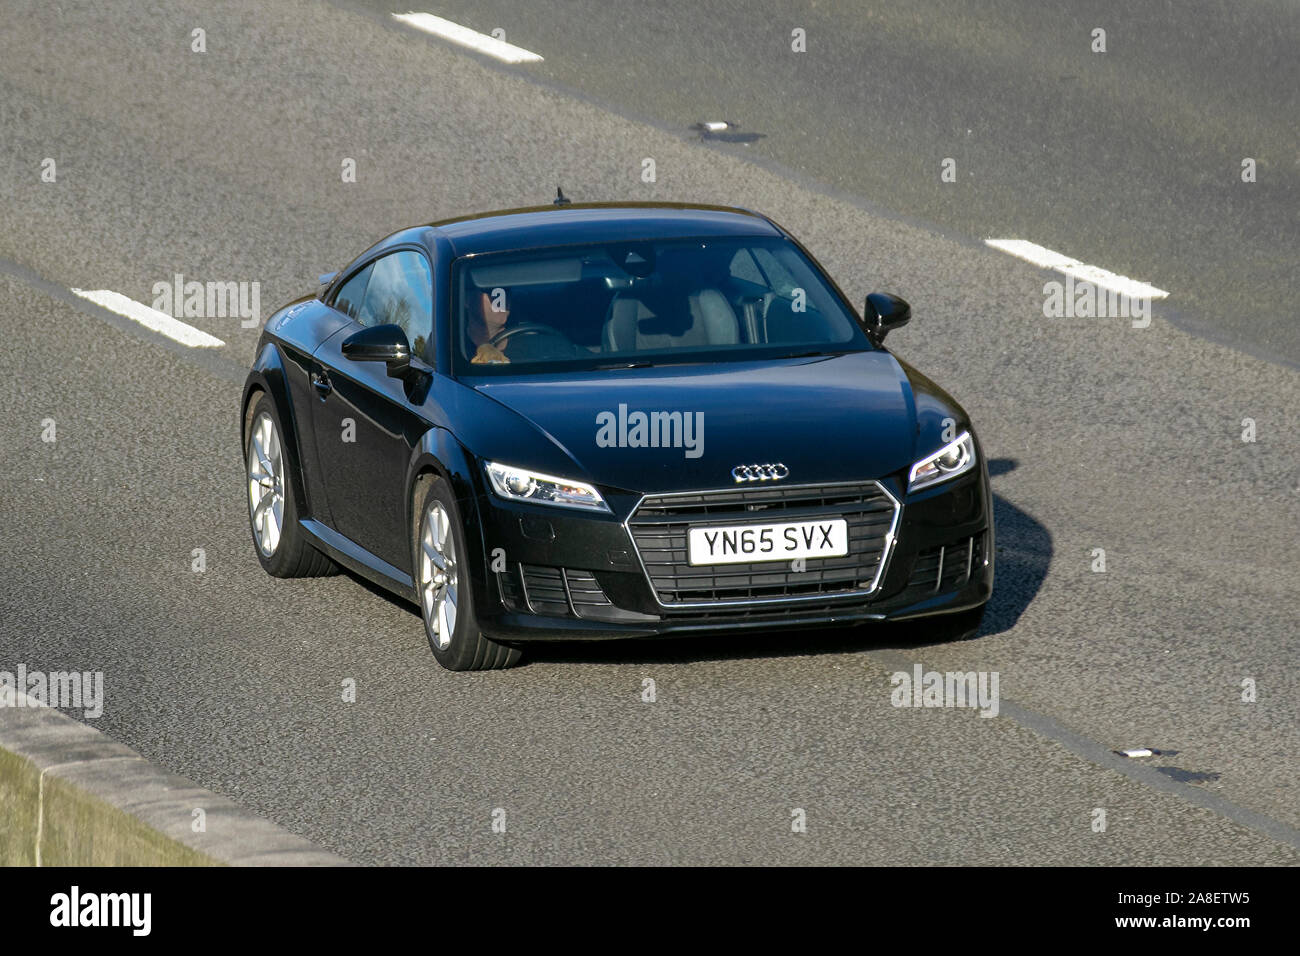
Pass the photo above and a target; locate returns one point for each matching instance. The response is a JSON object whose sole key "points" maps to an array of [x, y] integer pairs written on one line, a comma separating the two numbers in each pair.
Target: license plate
{"points": [[741, 543]]}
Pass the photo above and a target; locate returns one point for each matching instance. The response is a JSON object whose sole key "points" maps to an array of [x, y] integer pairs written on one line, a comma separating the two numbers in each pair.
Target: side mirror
{"points": [[327, 278], [380, 343], [883, 314]]}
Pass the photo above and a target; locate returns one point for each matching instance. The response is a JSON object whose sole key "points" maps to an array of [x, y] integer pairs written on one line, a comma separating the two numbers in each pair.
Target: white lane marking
{"points": [[1040, 256], [159, 322], [456, 33]]}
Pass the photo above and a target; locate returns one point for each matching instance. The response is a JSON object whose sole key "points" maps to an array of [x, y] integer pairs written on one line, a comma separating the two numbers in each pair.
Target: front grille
{"points": [[821, 611], [659, 528]]}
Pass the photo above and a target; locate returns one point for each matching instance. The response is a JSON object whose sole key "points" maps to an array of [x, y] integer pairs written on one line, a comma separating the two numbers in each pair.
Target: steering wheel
{"points": [[560, 347], [526, 328]]}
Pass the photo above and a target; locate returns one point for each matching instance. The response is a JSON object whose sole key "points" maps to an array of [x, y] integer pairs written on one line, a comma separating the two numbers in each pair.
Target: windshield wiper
{"points": [[613, 365], [813, 354]]}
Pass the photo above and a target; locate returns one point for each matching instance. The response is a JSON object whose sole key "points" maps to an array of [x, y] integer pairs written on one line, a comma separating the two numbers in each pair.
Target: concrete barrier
{"points": [[69, 796]]}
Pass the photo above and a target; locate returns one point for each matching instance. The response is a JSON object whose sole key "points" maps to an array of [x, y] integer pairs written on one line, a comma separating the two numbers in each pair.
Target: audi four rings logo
{"points": [[760, 472]]}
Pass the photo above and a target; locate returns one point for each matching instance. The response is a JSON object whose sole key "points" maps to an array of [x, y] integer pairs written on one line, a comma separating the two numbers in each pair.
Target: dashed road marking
{"points": [[506, 52], [152, 319], [1041, 256]]}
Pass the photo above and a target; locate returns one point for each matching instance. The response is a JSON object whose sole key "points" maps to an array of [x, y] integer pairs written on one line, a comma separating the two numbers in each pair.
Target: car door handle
{"points": [[321, 382]]}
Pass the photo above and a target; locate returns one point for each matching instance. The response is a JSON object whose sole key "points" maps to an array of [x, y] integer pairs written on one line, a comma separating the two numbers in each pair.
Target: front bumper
{"points": [[553, 574]]}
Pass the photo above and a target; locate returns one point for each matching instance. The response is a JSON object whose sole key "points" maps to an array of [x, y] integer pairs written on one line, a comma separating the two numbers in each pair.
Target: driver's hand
{"points": [[489, 354]]}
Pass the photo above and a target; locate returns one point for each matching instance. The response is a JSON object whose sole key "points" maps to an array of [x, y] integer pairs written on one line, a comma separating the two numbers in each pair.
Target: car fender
{"points": [[439, 451], [267, 375], [938, 416]]}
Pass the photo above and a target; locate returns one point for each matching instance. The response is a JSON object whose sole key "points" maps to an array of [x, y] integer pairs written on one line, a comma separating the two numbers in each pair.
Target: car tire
{"points": [[961, 626], [279, 543], [441, 572]]}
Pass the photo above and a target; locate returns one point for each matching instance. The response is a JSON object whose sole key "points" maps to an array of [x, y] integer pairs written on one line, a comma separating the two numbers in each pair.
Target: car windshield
{"points": [[644, 303]]}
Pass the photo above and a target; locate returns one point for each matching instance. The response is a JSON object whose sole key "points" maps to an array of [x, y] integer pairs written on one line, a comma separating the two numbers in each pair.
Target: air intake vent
{"points": [[946, 568], [544, 590]]}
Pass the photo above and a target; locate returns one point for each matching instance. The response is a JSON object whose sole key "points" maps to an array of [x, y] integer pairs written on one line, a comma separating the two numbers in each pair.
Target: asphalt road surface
{"points": [[1130, 159], [225, 165]]}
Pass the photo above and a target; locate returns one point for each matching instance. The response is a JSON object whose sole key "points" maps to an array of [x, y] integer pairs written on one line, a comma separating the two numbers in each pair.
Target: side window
{"points": [[400, 292], [350, 296]]}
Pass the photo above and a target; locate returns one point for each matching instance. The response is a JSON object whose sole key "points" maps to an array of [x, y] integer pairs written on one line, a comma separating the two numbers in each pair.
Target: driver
{"points": [[484, 323]]}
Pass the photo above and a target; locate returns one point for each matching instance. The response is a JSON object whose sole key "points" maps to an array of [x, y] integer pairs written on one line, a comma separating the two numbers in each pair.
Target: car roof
{"points": [[537, 226]]}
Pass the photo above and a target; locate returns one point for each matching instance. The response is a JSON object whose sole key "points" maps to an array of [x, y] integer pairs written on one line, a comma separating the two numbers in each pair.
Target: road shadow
{"points": [[1024, 553], [377, 591], [745, 138]]}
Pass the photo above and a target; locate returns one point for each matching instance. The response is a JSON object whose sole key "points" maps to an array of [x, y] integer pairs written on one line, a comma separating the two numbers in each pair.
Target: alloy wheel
{"points": [[266, 484], [438, 575]]}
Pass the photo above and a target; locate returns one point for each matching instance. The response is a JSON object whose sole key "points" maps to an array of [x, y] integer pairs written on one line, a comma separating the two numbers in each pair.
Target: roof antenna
{"points": [[560, 198]]}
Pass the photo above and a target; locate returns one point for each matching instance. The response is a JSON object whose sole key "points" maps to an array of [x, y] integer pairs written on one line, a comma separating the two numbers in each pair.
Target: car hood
{"points": [[830, 418]]}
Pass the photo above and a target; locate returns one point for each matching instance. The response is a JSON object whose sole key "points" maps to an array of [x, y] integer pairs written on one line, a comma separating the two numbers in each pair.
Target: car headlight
{"points": [[520, 484], [953, 459]]}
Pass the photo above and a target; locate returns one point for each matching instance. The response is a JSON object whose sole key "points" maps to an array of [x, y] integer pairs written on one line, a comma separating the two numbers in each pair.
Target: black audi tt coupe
{"points": [[611, 420]]}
